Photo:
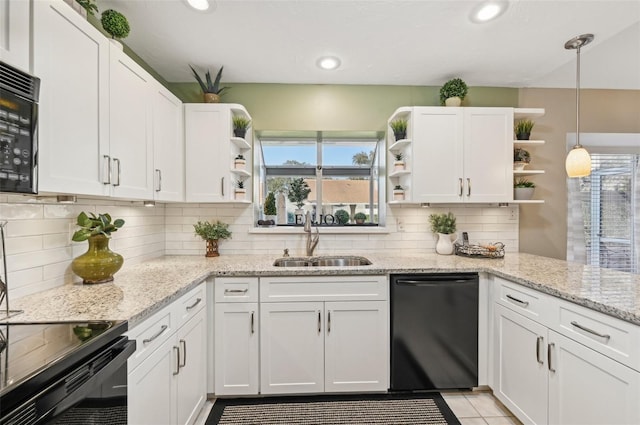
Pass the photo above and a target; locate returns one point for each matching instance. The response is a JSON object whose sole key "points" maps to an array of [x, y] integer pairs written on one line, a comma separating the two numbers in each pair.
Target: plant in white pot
{"points": [[239, 162], [523, 189], [444, 225], [240, 190], [453, 92], [398, 164], [398, 193], [521, 158]]}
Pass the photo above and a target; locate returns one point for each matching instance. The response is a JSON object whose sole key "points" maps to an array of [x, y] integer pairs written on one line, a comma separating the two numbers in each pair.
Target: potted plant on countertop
{"points": [[239, 162], [398, 193], [360, 217], [297, 193], [523, 189], [212, 233], [453, 92], [240, 191], [211, 90], [342, 216], [521, 158], [240, 125], [99, 263], [399, 128], [270, 210], [116, 25], [523, 129], [398, 164], [444, 225]]}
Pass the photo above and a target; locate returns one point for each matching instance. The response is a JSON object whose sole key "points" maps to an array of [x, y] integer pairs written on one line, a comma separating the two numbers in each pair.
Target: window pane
{"points": [[348, 153], [289, 152], [348, 194]]}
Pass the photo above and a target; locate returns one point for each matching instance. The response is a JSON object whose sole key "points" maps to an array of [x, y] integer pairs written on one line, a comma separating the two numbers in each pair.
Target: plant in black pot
{"points": [[453, 92], [240, 126], [399, 128], [115, 24], [523, 129], [211, 90]]}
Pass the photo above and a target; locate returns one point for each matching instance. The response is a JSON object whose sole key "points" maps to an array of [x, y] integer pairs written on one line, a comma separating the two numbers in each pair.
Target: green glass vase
{"points": [[99, 263]]}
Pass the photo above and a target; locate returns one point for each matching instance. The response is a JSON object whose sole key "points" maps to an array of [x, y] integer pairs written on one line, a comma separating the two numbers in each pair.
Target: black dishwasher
{"points": [[434, 331]]}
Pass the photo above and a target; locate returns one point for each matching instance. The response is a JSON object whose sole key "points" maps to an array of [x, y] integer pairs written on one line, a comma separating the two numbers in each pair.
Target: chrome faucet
{"points": [[312, 240]]}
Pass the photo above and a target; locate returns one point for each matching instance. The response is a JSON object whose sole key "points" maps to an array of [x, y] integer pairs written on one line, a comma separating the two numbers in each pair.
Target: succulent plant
{"points": [[523, 183], [521, 155], [210, 86], [398, 156], [92, 225]]}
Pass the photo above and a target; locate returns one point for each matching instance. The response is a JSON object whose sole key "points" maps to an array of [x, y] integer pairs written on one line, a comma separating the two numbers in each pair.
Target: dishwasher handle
{"points": [[432, 282]]}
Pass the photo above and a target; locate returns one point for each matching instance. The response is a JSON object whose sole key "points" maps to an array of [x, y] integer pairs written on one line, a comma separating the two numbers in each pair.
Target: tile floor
{"points": [[471, 407]]}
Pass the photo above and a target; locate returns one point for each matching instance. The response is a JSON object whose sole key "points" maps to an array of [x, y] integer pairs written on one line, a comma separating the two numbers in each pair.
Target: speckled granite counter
{"points": [[143, 289]]}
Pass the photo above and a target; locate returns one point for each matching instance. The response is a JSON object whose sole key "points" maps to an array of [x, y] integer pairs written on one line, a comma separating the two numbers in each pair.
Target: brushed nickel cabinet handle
{"points": [[162, 329], [329, 321], [222, 185], [235, 291], [189, 307], [468, 187], [177, 350], [107, 174], [539, 342], [159, 174], [461, 186], [319, 323], [252, 322], [514, 299], [116, 160], [550, 348], [591, 331], [183, 345]]}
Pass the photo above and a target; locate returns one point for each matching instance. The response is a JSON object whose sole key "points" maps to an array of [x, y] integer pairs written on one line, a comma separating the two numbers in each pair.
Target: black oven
{"points": [[64, 373], [18, 130]]}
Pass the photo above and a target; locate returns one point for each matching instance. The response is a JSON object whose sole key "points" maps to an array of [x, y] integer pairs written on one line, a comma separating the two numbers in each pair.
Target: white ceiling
{"points": [[396, 42]]}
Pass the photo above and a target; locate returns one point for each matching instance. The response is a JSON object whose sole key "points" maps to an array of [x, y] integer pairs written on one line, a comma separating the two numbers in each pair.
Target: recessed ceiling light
{"points": [[201, 5], [488, 10], [328, 62]]}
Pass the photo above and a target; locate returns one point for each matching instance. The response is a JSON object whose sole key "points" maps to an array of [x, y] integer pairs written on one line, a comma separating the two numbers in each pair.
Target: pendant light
{"points": [[578, 162]]}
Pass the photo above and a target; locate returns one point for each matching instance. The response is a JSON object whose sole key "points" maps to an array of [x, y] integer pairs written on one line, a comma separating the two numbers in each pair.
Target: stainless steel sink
{"points": [[328, 261]]}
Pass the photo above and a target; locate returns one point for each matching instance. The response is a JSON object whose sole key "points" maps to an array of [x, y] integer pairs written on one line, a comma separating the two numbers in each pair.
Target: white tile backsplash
{"points": [[40, 250]]}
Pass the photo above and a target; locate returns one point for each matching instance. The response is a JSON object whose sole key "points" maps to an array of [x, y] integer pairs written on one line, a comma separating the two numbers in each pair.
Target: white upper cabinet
{"points": [[131, 149], [71, 58], [168, 145], [15, 33]]}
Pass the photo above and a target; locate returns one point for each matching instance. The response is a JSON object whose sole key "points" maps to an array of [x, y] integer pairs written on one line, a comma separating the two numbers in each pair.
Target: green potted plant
{"points": [[211, 89], [342, 216], [360, 217], [523, 189], [521, 158], [240, 190], [298, 192], [453, 92], [523, 129], [212, 233], [89, 6], [115, 24], [269, 209], [444, 225], [398, 193], [240, 125], [399, 128], [398, 163], [99, 263], [239, 162]]}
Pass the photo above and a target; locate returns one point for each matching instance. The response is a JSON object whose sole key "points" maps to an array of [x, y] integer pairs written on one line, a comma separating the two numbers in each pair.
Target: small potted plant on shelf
{"points": [[521, 158], [240, 126], [211, 90], [453, 92], [240, 190], [523, 129], [398, 193], [239, 162], [270, 210], [342, 216], [115, 24], [398, 164], [523, 189], [444, 225], [360, 217], [399, 128], [212, 233]]}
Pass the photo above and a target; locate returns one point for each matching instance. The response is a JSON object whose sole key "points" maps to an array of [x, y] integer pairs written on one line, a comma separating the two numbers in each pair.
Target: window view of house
{"points": [[334, 176]]}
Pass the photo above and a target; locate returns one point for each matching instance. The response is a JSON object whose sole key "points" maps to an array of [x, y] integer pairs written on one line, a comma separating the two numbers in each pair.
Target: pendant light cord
{"points": [[578, 98]]}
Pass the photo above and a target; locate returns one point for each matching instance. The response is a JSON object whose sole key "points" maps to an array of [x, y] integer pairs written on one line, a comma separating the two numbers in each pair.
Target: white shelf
{"points": [[529, 201], [241, 173], [528, 142], [527, 172], [521, 113], [241, 143], [399, 144], [399, 173]]}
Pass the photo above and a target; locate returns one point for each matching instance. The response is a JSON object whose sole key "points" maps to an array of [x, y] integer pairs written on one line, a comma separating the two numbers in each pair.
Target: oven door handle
{"points": [[113, 366]]}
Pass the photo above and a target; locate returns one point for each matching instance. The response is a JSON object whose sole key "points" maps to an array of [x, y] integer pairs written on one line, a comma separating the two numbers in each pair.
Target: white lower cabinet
{"points": [[167, 374]]}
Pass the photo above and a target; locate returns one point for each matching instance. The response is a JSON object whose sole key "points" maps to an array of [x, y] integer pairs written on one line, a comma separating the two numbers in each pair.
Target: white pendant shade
{"points": [[578, 162]]}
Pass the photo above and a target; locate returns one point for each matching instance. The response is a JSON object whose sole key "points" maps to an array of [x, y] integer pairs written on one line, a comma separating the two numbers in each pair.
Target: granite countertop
{"points": [[142, 289]]}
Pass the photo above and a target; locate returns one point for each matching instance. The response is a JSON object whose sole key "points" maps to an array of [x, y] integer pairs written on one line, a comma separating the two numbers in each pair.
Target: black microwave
{"points": [[18, 130]]}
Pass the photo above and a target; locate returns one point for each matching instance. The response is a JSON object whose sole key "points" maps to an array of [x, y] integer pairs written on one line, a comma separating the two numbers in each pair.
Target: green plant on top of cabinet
{"points": [[211, 90], [211, 152], [453, 92], [115, 24]]}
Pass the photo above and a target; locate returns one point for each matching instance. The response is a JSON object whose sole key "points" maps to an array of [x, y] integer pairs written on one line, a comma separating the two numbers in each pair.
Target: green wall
{"points": [[335, 107]]}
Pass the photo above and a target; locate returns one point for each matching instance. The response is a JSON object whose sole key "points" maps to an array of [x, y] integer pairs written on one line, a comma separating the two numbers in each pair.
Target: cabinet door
{"points": [[586, 387], [437, 155], [151, 392], [521, 369], [292, 348], [356, 346], [207, 129], [168, 145], [236, 348], [130, 140], [71, 57], [488, 155], [14, 37], [191, 380]]}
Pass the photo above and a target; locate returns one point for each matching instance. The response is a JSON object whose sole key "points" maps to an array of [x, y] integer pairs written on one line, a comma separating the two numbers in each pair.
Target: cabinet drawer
{"points": [[150, 335], [612, 337], [528, 302], [236, 289], [189, 304], [324, 288]]}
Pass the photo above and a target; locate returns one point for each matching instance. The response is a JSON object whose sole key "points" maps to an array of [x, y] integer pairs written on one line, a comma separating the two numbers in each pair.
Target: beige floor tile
{"points": [[502, 420], [487, 405], [460, 406], [472, 421]]}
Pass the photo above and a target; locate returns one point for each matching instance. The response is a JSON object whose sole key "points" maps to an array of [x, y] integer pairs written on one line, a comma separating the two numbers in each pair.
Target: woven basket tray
{"points": [[478, 251]]}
